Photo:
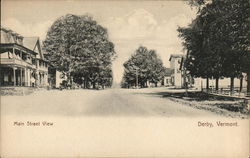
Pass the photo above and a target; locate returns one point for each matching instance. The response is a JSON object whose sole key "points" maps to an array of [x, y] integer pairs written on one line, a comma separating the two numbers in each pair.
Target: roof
{"points": [[5, 29], [176, 56], [33, 43], [30, 42]]}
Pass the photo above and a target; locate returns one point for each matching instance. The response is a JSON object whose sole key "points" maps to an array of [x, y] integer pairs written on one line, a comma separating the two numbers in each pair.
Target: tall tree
{"points": [[80, 48], [221, 29], [145, 66]]}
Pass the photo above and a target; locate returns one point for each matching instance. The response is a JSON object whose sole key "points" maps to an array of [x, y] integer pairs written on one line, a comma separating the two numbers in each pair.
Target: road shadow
{"points": [[223, 102]]}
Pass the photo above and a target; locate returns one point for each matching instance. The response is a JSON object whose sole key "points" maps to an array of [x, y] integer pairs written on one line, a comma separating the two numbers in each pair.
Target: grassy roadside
{"points": [[227, 106]]}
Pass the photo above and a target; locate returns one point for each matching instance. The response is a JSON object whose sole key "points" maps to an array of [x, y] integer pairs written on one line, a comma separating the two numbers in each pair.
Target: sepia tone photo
{"points": [[123, 78]]}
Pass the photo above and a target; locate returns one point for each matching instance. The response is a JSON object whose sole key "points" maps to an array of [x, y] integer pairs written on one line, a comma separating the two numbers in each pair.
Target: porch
{"points": [[17, 76]]}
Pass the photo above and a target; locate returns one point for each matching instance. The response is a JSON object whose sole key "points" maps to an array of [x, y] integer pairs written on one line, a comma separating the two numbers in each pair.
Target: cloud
{"points": [[127, 32], [26, 30], [136, 24], [141, 24], [140, 27]]}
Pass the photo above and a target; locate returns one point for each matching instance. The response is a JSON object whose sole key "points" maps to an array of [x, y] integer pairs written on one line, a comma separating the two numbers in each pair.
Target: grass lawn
{"points": [[229, 106]]}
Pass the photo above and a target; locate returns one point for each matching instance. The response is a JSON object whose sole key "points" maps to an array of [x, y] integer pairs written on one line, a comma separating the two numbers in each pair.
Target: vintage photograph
{"points": [[123, 78]]}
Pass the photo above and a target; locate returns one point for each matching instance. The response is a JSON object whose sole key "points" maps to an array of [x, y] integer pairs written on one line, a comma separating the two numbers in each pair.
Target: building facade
{"points": [[176, 74], [167, 78], [21, 61]]}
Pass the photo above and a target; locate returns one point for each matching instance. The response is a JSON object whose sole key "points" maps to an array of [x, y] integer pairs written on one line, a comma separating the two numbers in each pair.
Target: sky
{"points": [[130, 24]]}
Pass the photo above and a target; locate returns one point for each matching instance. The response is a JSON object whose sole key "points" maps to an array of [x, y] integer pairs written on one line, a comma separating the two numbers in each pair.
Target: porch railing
{"points": [[16, 61]]}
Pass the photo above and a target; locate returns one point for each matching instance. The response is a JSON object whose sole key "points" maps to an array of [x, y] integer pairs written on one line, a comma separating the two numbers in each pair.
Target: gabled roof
{"points": [[176, 56], [32, 43]]}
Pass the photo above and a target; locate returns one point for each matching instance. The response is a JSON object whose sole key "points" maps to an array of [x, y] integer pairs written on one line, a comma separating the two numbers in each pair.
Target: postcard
{"points": [[123, 78]]}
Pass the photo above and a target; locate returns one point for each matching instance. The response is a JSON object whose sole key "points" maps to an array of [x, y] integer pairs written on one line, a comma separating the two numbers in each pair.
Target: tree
{"points": [[144, 65], [201, 60], [80, 48], [218, 39]]}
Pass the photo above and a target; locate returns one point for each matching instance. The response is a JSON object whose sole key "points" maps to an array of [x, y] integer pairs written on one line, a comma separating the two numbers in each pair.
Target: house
{"points": [[176, 74], [34, 44], [22, 62], [167, 77], [55, 77]]}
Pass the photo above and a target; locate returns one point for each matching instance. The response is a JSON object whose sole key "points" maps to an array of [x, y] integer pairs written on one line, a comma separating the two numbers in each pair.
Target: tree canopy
{"points": [[80, 48], [218, 39], [146, 65]]}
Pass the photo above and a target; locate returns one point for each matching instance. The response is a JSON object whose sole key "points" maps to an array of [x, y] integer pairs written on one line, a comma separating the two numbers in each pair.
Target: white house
{"points": [[176, 75]]}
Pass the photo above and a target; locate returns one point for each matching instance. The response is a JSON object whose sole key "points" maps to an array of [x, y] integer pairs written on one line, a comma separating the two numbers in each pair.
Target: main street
{"points": [[110, 102], [112, 123]]}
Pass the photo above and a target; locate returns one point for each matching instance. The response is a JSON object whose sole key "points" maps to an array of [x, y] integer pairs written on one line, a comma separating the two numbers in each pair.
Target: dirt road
{"points": [[114, 123], [111, 102]]}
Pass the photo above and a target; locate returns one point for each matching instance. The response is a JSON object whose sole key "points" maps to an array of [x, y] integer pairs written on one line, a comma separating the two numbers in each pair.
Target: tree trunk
{"points": [[248, 83], [87, 83], [232, 85], [217, 84], [84, 83], [207, 84], [241, 83], [156, 84], [94, 85]]}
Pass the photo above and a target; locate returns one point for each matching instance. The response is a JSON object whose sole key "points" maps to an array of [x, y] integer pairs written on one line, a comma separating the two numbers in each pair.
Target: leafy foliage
{"points": [[146, 65], [218, 39], [80, 48]]}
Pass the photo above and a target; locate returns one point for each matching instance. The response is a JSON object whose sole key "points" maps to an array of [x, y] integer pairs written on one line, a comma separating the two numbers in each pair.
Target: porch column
{"points": [[46, 79], [38, 79], [14, 55], [14, 75], [21, 76], [25, 77], [43, 79], [21, 54], [28, 77]]}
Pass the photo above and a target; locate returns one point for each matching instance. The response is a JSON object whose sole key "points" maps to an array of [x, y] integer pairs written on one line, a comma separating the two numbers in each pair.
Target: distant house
{"points": [[167, 77], [55, 77], [22, 61], [176, 74]]}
